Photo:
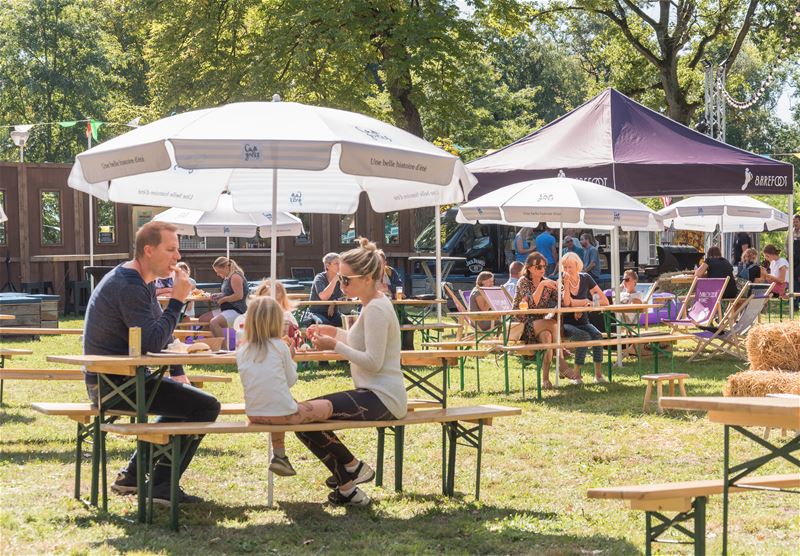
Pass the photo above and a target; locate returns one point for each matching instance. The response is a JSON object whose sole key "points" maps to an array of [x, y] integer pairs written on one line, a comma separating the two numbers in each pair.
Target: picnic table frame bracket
{"points": [[733, 473], [140, 406], [697, 536]]}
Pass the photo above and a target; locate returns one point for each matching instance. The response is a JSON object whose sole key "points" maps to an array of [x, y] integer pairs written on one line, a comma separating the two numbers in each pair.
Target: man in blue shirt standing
{"points": [[546, 245], [591, 257]]}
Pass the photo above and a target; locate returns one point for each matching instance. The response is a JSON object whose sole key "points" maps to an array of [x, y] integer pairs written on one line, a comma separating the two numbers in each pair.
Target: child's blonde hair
{"points": [[263, 290], [264, 321]]}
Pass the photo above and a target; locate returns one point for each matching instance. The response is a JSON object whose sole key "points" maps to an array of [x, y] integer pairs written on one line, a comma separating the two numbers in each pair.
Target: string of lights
{"points": [[762, 89]]}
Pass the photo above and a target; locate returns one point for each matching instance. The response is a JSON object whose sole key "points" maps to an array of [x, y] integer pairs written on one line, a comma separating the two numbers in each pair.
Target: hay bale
{"points": [[775, 346], [761, 383]]}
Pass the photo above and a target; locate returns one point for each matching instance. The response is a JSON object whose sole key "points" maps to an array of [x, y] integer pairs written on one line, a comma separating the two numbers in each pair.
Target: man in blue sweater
{"points": [[124, 298]]}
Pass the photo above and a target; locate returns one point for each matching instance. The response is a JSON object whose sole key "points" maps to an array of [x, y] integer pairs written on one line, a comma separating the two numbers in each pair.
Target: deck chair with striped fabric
{"points": [[702, 305], [500, 300], [729, 337]]}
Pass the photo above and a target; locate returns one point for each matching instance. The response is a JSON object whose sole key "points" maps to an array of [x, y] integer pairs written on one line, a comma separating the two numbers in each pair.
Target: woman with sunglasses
{"points": [[534, 291], [372, 345], [579, 289]]}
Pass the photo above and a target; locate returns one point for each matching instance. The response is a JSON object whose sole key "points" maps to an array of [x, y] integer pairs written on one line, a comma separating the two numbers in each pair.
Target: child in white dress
{"points": [[267, 372]]}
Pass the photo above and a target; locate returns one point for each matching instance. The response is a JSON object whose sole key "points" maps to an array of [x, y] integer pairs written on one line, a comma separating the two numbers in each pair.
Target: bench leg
{"points": [[1, 391], [78, 459], [522, 365], [175, 468], [379, 457], [399, 441], [681, 387], [697, 537], [659, 395], [647, 393], [672, 387], [95, 461]]}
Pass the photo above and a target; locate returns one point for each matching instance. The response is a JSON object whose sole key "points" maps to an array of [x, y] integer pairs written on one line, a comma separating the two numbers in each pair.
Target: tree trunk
{"points": [[678, 108], [400, 87]]}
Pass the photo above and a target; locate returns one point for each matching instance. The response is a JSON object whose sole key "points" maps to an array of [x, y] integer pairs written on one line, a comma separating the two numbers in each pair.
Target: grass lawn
{"points": [[536, 470]]}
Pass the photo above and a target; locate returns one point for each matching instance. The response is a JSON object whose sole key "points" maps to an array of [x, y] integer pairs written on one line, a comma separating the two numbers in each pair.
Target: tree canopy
{"points": [[474, 74]]}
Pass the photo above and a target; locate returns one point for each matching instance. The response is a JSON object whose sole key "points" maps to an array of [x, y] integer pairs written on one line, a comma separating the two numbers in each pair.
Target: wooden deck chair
{"points": [[500, 300], [463, 333], [702, 305], [729, 337]]}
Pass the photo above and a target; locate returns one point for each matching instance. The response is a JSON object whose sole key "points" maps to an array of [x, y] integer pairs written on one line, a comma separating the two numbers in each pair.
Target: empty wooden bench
{"points": [[88, 424], [9, 353], [688, 499], [166, 439], [672, 379]]}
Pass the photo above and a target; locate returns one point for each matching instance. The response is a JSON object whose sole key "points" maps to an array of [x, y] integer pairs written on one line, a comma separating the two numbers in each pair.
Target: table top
{"points": [[7, 317], [11, 352], [164, 299], [125, 365], [681, 278], [620, 308], [433, 258], [776, 412], [405, 301], [83, 257]]}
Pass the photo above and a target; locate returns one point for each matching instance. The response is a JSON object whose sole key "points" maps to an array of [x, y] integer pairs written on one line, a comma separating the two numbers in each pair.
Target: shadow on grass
{"points": [[22, 457], [8, 418], [445, 525]]}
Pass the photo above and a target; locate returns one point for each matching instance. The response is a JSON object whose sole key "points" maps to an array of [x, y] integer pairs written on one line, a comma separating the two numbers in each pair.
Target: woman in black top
{"points": [[579, 289], [717, 267]]}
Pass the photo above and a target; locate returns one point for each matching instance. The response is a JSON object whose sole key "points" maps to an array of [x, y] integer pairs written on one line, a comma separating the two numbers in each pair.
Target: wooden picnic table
{"points": [[736, 414], [504, 316], [137, 369]]}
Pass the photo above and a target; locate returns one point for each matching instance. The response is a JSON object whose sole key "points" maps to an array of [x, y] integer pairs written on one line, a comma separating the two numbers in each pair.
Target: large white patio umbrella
{"points": [[226, 222], [723, 213], [272, 156], [563, 202]]}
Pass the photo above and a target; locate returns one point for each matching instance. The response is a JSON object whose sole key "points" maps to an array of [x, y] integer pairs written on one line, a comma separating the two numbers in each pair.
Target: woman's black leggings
{"points": [[351, 405]]}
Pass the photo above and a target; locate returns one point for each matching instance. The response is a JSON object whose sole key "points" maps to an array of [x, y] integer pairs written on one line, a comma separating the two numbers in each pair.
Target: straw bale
{"points": [[761, 383], [775, 346]]}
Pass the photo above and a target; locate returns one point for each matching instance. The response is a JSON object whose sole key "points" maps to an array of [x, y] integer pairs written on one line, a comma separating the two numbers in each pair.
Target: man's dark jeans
{"points": [[174, 403]]}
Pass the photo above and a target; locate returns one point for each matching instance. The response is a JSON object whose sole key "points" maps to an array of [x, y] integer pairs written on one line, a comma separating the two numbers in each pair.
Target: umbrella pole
{"points": [[792, 262], [615, 271], [227, 246], [438, 285], [273, 236], [558, 305], [91, 241]]}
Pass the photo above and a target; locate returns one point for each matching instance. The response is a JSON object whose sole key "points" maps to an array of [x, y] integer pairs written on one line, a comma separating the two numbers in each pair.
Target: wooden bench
{"points": [[35, 331], [688, 499], [76, 374], [670, 378], [88, 424], [536, 350], [166, 439], [9, 353]]}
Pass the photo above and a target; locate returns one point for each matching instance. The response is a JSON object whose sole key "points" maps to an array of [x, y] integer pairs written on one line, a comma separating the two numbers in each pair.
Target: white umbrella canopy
{"points": [[273, 156], [560, 202], [726, 213], [226, 222], [326, 158]]}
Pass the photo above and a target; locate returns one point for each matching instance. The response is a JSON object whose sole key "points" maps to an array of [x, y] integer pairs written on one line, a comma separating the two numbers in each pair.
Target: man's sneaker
{"points": [[161, 495], [282, 466], [363, 474], [125, 483], [357, 498]]}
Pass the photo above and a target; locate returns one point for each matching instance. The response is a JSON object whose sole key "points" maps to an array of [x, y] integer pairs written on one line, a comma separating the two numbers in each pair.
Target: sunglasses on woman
{"points": [[627, 279], [345, 280], [539, 266]]}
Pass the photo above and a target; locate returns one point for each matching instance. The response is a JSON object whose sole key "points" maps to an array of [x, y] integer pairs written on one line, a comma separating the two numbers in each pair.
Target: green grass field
{"points": [[536, 470]]}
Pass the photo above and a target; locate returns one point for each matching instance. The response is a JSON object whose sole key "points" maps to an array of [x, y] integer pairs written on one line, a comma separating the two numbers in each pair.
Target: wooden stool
{"points": [[671, 378]]}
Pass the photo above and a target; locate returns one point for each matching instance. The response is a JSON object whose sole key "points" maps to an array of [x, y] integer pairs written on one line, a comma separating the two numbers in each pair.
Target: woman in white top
{"points": [[372, 345], [778, 270]]}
